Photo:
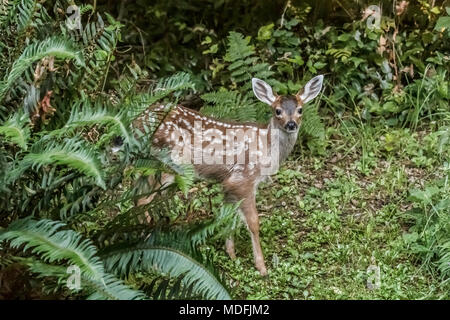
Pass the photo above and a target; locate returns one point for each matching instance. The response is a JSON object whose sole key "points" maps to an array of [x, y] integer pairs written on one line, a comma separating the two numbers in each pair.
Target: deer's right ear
{"points": [[263, 91]]}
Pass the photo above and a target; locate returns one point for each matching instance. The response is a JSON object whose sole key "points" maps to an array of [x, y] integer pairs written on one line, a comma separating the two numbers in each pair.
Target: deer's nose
{"points": [[291, 126]]}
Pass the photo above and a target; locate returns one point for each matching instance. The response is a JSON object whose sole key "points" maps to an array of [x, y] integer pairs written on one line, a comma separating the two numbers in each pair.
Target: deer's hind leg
{"points": [[229, 245], [229, 242]]}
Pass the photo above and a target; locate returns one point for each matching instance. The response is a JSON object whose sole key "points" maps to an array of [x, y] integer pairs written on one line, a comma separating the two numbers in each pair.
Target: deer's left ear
{"points": [[311, 89], [263, 91]]}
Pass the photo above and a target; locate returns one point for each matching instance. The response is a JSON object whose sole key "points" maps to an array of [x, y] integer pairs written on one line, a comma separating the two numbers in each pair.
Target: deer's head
{"points": [[287, 110]]}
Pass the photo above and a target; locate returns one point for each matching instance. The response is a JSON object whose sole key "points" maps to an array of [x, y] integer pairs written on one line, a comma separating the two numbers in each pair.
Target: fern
{"points": [[99, 45], [26, 10], [88, 115], [45, 239], [170, 288], [339, 53], [7, 9], [224, 223], [73, 153], [244, 64], [127, 83], [164, 87], [112, 288], [16, 129], [184, 173], [56, 174], [55, 46], [312, 124], [230, 105], [169, 253]]}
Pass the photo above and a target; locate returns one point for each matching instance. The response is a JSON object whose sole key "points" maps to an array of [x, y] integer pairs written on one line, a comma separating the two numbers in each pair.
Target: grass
{"points": [[326, 220]]}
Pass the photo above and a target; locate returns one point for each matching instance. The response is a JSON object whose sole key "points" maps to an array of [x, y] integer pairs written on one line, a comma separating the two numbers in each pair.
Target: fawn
{"points": [[233, 153]]}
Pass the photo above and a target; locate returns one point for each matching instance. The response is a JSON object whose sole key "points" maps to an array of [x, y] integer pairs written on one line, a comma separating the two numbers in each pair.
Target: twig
{"points": [[288, 4]]}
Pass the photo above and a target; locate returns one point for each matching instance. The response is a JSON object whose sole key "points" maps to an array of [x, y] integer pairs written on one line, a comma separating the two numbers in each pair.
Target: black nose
{"points": [[291, 126]]}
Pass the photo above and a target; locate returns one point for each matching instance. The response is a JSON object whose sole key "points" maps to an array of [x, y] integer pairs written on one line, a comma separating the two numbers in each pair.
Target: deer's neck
{"points": [[287, 140]]}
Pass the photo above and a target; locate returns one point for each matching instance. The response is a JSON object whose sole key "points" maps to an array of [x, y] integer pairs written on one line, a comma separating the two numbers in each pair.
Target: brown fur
{"points": [[239, 182]]}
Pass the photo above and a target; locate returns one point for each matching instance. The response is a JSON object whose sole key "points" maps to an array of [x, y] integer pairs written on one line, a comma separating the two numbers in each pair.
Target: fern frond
{"points": [[7, 10], [99, 43], [16, 129], [73, 153], [223, 224], [175, 83], [111, 288], [244, 64], [229, 105], [171, 289], [127, 83], [312, 124], [26, 10], [184, 173], [339, 53], [87, 115], [45, 239], [167, 253], [239, 48], [58, 47]]}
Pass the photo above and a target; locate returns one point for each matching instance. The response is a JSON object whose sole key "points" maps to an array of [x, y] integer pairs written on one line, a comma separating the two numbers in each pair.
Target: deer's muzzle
{"points": [[291, 126]]}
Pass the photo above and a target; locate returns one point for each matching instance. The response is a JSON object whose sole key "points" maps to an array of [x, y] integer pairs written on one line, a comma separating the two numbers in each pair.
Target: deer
{"points": [[239, 156]]}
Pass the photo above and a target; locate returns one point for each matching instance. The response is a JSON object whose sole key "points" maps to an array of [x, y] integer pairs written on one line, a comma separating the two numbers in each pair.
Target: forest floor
{"points": [[329, 222]]}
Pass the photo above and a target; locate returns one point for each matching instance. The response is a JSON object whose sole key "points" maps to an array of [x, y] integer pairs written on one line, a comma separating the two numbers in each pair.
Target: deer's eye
{"points": [[300, 110], [278, 112]]}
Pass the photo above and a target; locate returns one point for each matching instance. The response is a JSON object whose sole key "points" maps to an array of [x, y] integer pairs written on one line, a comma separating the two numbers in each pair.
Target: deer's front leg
{"points": [[248, 207]]}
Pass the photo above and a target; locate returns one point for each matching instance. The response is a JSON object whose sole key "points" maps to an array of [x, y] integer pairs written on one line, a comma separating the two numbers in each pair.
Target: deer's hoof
{"points": [[232, 255], [264, 272], [229, 245]]}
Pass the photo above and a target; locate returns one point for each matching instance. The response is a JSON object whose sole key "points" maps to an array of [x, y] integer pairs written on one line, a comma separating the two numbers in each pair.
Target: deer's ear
{"points": [[263, 91], [311, 90]]}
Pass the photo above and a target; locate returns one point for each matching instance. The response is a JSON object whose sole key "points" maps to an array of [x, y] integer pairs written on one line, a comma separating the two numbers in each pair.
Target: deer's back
{"points": [[196, 136]]}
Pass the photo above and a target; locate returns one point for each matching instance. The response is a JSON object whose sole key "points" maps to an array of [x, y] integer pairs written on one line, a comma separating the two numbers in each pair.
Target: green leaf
{"points": [[442, 24], [265, 32], [424, 196], [297, 60], [319, 65], [410, 237]]}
